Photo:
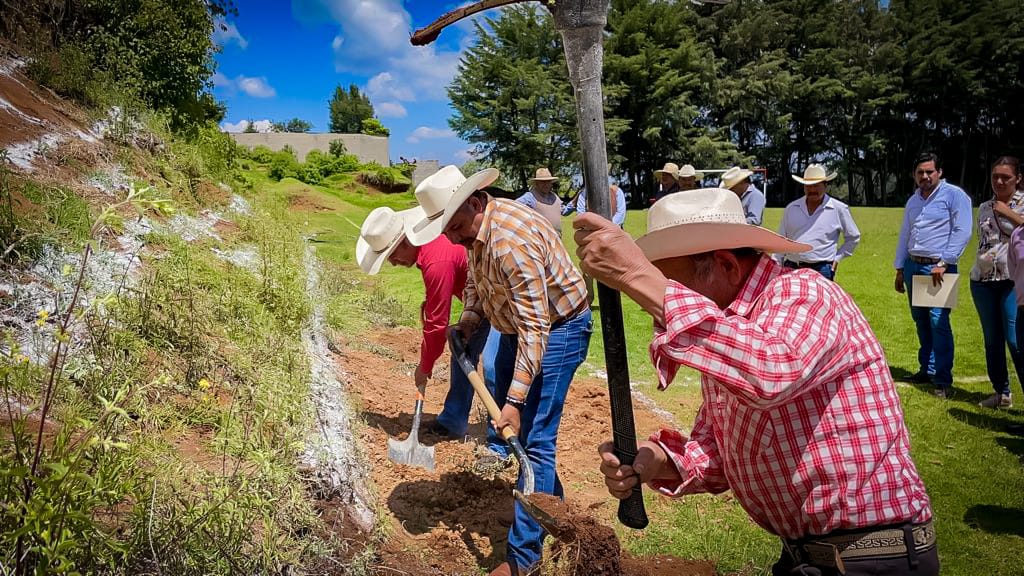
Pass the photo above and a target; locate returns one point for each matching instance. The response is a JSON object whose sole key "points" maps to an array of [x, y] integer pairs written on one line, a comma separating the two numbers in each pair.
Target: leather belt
{"points": [[809, 264], [831, 550], [923, 260]]}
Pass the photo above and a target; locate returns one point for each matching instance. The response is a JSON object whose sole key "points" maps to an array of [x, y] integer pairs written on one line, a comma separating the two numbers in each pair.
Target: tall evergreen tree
{"points": [[512, 96], [348, 109]]}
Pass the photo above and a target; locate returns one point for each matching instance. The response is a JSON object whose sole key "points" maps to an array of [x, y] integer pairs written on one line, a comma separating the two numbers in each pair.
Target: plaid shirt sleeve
{"points": [[793, 340], [527, 286], [697, 460]]}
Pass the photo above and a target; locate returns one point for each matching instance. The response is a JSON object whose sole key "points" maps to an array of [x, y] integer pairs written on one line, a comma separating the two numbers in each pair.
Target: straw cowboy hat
{"points": [[688, 171], [381, 233], [669, 168], [440, 195], [543, 175], [704, 220], [814, 174], [734, 176]]}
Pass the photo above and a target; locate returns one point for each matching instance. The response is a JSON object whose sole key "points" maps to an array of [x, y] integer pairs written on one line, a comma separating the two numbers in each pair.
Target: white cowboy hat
{"points": [[440, 195], [813, 174], [381, 233], [669, 168], [688, 171], [544, 175], [703, 220], [734, 176]]}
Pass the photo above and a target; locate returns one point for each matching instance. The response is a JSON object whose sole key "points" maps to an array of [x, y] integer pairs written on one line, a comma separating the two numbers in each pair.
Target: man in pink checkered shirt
{"points": [[800, 417]]}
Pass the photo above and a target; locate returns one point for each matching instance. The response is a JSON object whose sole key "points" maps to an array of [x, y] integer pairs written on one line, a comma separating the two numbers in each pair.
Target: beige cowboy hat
{"points": [[688, 171], [381, 233], [814, 174], [703, 220], [734, 176], [440, 195], [543, 175], [669, 168]]}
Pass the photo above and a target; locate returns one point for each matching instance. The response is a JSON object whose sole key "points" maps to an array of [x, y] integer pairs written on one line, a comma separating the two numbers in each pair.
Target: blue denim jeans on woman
{"points": [[539, 419], [997, 308], [933, 330]]}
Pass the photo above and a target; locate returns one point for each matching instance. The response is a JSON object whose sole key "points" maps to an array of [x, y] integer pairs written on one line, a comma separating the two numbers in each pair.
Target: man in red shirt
{"points": [[443, 266], [800, 417]]}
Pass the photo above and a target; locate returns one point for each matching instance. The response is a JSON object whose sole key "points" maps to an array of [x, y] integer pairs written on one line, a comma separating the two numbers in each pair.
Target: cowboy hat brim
{"points": [[427, 229], [699, 237], [369, 261], [828, 178], [695, 175], [544, 179], [658, 173]]}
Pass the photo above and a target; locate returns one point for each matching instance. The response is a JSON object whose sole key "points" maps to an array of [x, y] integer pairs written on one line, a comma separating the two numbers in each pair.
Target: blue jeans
{"points": [[567, 349], [997, 309], [823, 268], [933, 330], [495, 443], [455, 414]]}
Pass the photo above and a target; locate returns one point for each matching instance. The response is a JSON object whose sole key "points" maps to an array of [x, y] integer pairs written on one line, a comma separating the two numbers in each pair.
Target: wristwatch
{"points": [[941, 264]]}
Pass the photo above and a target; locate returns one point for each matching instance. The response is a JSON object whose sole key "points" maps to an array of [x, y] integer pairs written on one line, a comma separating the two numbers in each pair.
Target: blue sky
{"points": [[282, 60]]}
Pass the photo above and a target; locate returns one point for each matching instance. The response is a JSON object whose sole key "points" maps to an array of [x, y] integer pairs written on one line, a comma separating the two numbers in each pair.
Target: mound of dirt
{"points": [[586, 546], [453, 521]]}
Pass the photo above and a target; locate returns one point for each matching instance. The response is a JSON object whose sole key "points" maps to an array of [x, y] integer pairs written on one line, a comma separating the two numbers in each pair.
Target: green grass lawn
{"points": [[972, 469]]}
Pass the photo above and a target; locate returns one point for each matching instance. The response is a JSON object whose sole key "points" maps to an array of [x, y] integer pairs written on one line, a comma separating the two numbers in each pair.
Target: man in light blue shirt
{"points": [[618, 207], [937, 224], [738, 180], [818, 219]]}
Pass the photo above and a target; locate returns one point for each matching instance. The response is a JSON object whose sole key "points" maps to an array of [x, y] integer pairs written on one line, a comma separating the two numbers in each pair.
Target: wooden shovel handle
{"points": [[459, 351]]}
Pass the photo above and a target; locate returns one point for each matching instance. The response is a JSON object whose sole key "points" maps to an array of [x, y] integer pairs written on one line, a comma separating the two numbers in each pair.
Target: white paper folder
{"points": [[927, 295]]}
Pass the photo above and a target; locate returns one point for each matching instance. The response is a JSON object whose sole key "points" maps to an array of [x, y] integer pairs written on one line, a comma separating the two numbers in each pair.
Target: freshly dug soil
{"points": [[453, 522], [587, 546]]}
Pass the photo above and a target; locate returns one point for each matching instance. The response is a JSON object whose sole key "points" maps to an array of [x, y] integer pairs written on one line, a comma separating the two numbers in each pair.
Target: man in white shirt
{"points": [[817, 219]]}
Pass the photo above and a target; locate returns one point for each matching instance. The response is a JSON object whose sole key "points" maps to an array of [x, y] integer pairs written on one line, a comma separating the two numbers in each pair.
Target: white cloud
{"points": [[256, 87], [384, 86], [391, 110], [374, 37], [225, 32], [220, 80], [463, 156], [241, 125], [428, 133]]}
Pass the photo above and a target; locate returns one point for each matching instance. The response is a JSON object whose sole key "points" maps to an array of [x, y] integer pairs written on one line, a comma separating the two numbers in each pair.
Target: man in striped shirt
{"points": [[800, 417], [523, 281]]}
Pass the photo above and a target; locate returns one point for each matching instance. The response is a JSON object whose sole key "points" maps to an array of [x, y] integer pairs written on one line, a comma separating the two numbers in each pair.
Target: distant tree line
{"points": [[861, 85]]}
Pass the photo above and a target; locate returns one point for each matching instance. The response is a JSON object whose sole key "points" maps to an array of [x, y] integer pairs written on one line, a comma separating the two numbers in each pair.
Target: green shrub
{"points": [[337, 148], [261, 154], [386, 178], [373, 127]]}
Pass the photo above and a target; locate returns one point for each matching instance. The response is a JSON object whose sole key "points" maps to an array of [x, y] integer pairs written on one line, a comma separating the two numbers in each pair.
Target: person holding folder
{"points": [[935, 231]]}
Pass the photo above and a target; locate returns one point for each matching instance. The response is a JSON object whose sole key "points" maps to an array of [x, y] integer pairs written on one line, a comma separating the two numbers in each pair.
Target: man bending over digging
{"points": [[800, 417], [522, 279]]}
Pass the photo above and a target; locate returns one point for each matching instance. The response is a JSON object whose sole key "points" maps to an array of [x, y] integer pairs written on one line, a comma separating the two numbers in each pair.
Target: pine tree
{"points": [[348, 110]]}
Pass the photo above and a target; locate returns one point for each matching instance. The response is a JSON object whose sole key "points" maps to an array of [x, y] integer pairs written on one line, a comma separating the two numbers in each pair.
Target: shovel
{"points": [[545, 519], [410, 451]]}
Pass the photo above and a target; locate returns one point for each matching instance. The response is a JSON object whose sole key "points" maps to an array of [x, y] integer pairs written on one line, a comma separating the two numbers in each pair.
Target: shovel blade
{"points": [[411, 453], [543, 517]]}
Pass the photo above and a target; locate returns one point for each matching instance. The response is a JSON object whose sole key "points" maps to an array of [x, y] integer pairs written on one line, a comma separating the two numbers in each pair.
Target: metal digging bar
{"points": [[581, 24]]}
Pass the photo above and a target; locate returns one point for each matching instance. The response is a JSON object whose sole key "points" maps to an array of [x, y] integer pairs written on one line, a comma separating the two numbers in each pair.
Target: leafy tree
{"points": [[512, 96], [349, 109], [250, 127], [373, 127], [658, 86], [293, 125]]}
